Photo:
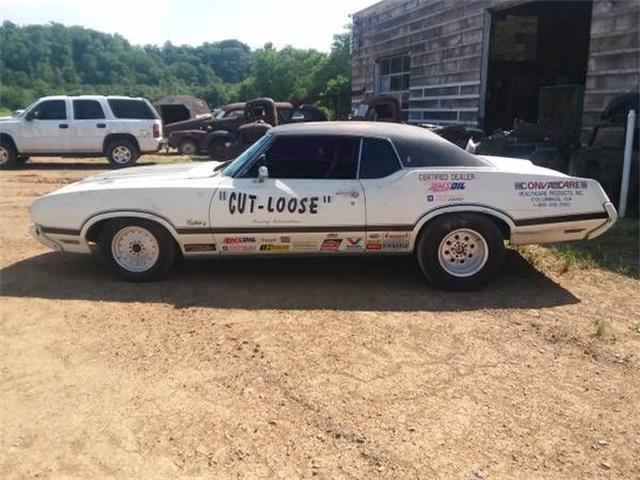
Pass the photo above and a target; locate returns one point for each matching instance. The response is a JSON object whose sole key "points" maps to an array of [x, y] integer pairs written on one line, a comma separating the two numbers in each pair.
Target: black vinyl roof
{"points": [[416, 146]]}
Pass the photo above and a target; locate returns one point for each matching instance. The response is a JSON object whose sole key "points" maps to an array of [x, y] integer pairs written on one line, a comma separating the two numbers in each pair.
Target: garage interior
{"points": [[537, 66]]}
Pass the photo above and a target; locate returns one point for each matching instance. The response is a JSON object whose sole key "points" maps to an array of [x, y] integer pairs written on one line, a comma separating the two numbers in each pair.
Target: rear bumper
{"points": [[612, 217], [565, 228]]}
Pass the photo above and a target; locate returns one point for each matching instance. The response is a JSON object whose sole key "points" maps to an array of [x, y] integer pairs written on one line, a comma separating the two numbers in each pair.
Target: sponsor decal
{"points": [[304, 245], [351, 243], [444, 198], [238, 240], [331, 245], [551, 194], [395, 244], [552, 185], [240, 203], [397, 235], [374, 241], [446, 186], [285, 239], [446, 177], [274, 248], [195, 221], [200, 247], [239, 247]]}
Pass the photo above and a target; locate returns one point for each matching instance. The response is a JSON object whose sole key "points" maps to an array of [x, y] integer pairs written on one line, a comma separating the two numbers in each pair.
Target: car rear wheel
{"points": [[8, 155], [188, 147], [122, 153], [460, 251], [137, 249]]}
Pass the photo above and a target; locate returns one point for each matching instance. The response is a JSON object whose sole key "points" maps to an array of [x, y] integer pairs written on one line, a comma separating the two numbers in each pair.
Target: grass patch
{"points": [[5, 112], [616, 250]]}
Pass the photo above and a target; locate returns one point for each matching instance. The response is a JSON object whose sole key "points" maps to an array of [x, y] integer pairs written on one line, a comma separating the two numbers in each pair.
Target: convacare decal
{"points": [[553, 194], [240, 203]]}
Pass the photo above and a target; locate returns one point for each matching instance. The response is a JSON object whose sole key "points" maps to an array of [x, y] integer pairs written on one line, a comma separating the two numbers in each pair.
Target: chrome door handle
{"points": [[352, 194]]}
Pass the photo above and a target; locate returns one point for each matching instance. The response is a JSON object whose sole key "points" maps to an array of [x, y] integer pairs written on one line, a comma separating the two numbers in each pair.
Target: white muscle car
{"points": [[331, 188]]}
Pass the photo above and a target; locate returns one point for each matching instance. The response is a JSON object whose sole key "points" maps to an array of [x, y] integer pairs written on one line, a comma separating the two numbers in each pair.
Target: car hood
{"points": [[9, 119], [157, 172], [143, 176]]}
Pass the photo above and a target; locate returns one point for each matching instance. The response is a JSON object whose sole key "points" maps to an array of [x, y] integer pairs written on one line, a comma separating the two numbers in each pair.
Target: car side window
{"points": [[378, 158], [310, 157], [50, 110], [87, 110], [131, 109]]}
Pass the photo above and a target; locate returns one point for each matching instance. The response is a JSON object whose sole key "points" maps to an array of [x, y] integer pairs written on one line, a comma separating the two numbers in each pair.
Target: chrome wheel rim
{"points": [[4, 155], [135, 249], [463, 252], [121, 154]]}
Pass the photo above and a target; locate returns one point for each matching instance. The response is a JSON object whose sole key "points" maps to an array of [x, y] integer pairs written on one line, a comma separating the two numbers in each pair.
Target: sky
{"points": [[301, 23]]}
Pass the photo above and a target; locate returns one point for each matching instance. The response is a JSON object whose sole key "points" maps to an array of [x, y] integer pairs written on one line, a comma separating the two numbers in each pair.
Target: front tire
{"points": [[137, 250], [8, 155], [460, 251], [122, 153]]}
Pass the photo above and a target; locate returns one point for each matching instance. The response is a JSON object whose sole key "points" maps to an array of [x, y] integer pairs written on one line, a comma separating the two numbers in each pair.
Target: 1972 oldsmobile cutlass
{"points": [[326, 189]]}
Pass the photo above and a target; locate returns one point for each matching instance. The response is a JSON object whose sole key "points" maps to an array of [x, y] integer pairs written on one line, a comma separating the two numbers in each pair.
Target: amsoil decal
{"points": [[553, 194], [239, 244], [241, 203], [446, 186], [331, 245]]}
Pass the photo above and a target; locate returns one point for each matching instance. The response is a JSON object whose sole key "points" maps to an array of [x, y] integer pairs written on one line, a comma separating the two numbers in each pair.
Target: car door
{"points": [[46, 128], [311, 200], [89, 126], [389, 198]]}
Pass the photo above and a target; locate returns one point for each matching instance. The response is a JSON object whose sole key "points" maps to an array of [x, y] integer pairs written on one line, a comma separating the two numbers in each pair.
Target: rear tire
{"points": [[136, 249], [122, 153], [460, 251], [8, 155]]}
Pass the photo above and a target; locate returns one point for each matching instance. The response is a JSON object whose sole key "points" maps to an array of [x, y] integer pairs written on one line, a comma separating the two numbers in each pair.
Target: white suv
{"points": [[84, 126]]}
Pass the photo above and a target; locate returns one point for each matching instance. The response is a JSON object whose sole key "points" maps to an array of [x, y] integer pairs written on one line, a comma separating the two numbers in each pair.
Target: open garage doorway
{"points": [[536, 66]]}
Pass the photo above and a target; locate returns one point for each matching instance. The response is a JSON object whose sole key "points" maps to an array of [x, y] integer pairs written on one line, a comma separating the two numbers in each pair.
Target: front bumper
{"points": [[36, 232], [60, 240]]}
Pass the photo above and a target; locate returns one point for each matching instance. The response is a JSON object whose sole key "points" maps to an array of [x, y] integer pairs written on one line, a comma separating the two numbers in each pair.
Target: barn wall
{"points": [[614, 56]]}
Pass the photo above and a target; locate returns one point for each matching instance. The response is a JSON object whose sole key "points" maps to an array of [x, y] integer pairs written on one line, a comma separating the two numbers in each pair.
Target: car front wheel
{"points": [[460, 251], [137, 249], [8, 155]]}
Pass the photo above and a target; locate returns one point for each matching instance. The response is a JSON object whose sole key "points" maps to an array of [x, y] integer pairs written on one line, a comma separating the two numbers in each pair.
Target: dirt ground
{"points": [[345, 368]]}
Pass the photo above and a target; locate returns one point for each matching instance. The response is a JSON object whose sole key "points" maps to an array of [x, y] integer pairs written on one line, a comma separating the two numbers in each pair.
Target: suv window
{"points": [[378, 158], [50, 110], [87, 110], [311, 157], [125, 108]]}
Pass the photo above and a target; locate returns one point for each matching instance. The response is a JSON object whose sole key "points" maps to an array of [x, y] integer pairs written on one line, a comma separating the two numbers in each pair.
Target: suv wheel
{"points": [[136, 249], [188, 147], [122, 153], [460, 251], [8, 155]]}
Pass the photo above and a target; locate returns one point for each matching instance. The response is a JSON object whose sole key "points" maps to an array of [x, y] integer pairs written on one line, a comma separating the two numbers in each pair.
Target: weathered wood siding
{"points": [[614, 56], [445, 41]]}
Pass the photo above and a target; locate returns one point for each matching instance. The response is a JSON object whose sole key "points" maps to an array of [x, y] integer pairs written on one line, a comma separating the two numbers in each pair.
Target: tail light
{"points": [[156, 130]]}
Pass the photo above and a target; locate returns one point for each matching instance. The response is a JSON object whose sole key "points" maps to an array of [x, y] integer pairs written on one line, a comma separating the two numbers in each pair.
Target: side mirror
{"points": [[263, 172], [30, 116]]}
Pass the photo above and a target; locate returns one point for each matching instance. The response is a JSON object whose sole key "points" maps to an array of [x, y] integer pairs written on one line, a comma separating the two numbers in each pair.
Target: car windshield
{"points": [[361, 111], [245, 157]]}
